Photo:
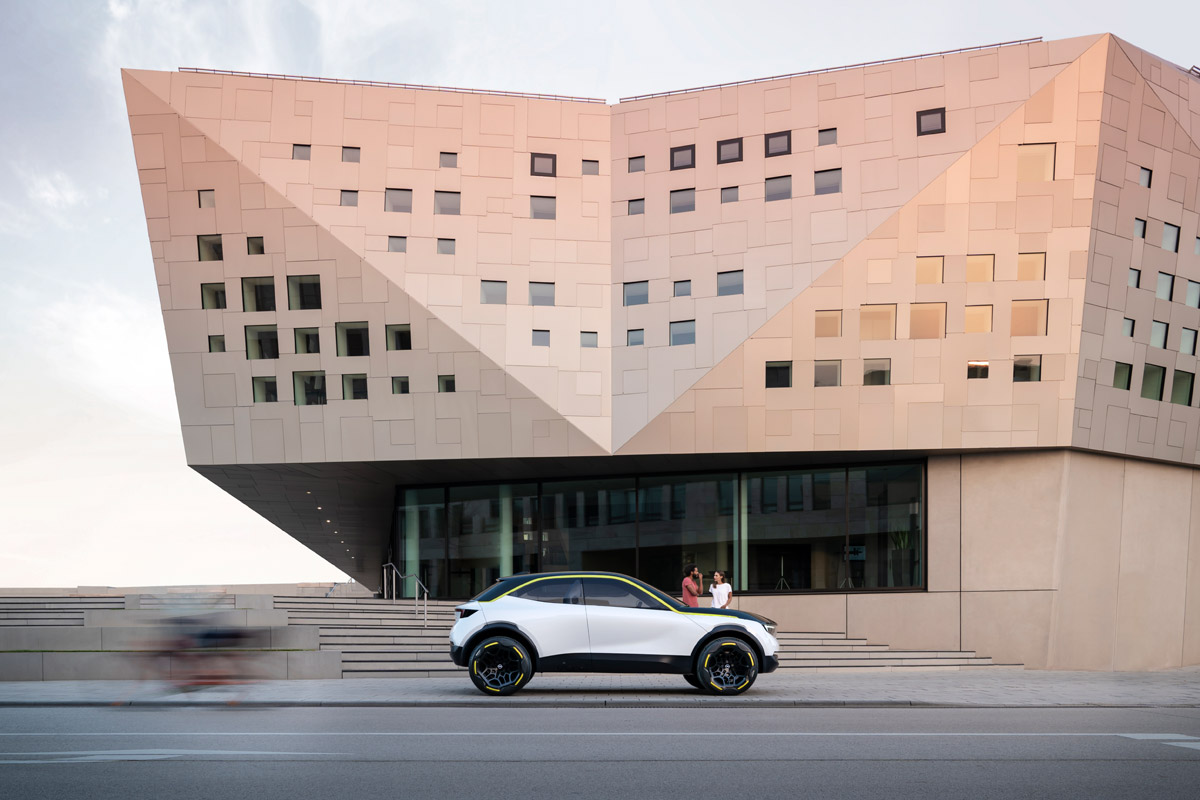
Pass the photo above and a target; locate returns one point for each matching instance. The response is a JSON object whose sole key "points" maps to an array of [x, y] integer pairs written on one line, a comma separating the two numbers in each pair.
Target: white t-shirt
{"points": [[720, 593]]}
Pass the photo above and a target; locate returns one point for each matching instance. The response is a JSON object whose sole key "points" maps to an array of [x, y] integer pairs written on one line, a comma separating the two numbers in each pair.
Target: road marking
{"points": [[156, 754], [1191, 745]]}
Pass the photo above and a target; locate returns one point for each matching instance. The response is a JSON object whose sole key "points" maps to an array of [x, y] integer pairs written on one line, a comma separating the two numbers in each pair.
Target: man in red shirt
{"points": [[693, 585]]}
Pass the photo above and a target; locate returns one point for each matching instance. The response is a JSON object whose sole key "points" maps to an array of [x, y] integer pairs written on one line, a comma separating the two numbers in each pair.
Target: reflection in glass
{"points": [[684, 520], [589, 525]]}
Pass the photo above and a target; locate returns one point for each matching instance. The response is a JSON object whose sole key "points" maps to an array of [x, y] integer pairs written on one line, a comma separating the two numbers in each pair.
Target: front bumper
{"points": [[770, 664], [460, 658]]}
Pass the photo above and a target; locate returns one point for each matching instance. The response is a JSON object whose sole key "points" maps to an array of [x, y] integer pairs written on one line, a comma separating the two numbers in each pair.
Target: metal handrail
{"points": [[392, 573]]}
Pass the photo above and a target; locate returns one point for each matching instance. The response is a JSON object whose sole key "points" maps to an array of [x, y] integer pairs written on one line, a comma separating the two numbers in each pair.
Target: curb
{"points": [[625, 704]]}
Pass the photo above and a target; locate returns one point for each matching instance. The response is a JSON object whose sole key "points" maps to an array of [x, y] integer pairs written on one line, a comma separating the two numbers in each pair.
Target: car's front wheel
{"points": [[500, 665], [726, 666]]}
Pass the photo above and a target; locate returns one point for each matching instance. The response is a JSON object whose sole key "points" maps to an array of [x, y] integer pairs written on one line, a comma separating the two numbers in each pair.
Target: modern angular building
{"points": [[907, 348]]}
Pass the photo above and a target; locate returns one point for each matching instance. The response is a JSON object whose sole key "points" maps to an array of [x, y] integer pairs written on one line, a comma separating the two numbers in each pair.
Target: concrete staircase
{"points": [[381, 639], [52, 611]]}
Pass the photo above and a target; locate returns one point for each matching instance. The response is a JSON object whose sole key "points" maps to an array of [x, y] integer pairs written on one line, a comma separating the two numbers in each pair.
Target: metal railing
{"points": [[390, 85], [1195, 71], [391, 575], [831, 69]]}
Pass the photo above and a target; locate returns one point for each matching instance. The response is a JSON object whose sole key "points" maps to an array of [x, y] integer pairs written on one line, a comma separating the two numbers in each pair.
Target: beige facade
{"points": [[922, 259]]}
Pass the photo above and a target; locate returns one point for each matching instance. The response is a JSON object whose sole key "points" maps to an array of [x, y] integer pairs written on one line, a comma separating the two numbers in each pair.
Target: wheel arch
{"points": [[501, 629], [728, 631]]}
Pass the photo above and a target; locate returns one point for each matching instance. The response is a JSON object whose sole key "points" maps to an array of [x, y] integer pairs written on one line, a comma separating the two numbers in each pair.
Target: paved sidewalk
{"points": [[987, 688]]}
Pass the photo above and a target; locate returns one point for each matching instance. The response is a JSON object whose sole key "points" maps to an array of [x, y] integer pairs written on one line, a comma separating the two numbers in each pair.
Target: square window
{"points": [[1158, 334], [266, 389], [1139, 228], [258, 294], [827, 324], [349, 198], [1035, 162], [541, 338], [1027, 369], [931, 120], [397, 244], [977, 370], [208, 198], [209, 247], [304, 292], [729, 194], [446, 384], [779, 375], [637, 207], [216, 344], [1187, 342], [637, 164], [589, 339], [1031, 267], [1144, 177], [1192, 298], [876, 322], [398, 336], [262, 342], [400, 384], [929, 269], [309, 388], [1181, 387], [683, 332], [541, 294], [877, 372], [826, 136], [683, 200], [352, 339], [545, 164], [729, 150], [1122, 375], [636, 293], [493, 292], [827, 181], [1127, 326], [926, 320], [255, 246], [980, 269], [683, 289], [978, 319], [542, 207], [212, 295], [683, 157], [445, 247], [779, 188], [729, 282], [354, 387], [308, 340], [590, 167], [301, 152], [778, 144], [1134, 280], [448, 160], [635, 337], [399, 200], [1166, 286], [1028, 318], [1170, 240], [447, 203], [827, 373], [1153, 378], [351, 155]]}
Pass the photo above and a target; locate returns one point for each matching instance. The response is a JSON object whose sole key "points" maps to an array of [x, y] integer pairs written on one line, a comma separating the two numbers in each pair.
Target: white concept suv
{"points": [[604, 622]]}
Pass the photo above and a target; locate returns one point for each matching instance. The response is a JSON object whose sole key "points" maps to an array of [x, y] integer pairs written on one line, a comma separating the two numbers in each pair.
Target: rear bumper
{"points": [[459, 657], [770, 664]]}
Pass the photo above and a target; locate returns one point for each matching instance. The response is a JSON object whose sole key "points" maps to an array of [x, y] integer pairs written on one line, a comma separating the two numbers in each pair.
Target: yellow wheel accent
{"points": [[518, 683], [490, 644], [519, 653], [490, 689], [474, 667], [751, 658], [743, 686], [706, 660], [729, 644], [718, 688]]}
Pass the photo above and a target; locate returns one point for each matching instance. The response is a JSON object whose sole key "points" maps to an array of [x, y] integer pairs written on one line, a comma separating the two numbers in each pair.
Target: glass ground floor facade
{"points": [[827, 529]]}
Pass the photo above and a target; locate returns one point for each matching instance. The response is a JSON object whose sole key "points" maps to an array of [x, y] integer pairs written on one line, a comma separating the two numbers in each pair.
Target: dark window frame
{"points": [[767, 144], [741, 150], [941, 112], [533, 157], [690, 149]]}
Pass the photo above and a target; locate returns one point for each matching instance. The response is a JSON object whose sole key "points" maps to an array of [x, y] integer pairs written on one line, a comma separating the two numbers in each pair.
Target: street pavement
{"points": [[366, 753], [971, 688]]}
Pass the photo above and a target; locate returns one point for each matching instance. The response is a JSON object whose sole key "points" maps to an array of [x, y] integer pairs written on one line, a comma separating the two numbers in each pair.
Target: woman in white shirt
{"points": [[722, 592]]}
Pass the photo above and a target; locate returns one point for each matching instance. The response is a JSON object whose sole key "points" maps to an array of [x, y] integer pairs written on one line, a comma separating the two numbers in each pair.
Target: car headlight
{"points": [[771, 628]]}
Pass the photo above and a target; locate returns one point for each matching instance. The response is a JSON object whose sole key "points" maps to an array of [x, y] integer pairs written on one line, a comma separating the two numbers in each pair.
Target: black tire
{"points": [[693, 680], [500, 666], [726, 666]]}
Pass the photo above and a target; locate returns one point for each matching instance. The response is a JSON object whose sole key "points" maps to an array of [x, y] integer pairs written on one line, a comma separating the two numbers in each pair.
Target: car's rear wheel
{"points": [[500, 665], [726, 666]]}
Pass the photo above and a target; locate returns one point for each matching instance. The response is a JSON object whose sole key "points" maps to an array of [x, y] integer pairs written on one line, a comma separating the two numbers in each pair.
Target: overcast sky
{"points": [[93, 485]]}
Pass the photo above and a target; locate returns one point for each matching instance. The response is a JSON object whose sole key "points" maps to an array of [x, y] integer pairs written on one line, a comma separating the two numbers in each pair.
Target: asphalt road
{"points": [[365, 753]]}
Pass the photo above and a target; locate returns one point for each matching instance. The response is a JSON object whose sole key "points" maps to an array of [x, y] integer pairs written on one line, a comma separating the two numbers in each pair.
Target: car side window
{"points": [[552, 590], [615, 594]]}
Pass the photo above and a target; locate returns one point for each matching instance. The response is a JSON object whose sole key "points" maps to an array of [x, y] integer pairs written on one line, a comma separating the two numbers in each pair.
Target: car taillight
{"points": [[463, 613]]}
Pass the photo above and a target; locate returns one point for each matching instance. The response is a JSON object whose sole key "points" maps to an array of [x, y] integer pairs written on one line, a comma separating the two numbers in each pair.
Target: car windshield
{"points": [[666, 598]]}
